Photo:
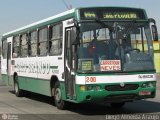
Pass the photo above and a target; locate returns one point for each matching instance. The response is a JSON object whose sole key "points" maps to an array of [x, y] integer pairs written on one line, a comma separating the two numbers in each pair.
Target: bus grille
{"points": [[122, 97], [119, 88]]}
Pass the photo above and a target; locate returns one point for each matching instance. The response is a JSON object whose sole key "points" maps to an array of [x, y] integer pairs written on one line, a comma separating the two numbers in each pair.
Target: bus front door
{"points": [[9, 63], [69, 76]]}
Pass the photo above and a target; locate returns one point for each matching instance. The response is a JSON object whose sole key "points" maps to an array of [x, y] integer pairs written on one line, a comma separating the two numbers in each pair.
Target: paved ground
{"points": [[38, 107]]}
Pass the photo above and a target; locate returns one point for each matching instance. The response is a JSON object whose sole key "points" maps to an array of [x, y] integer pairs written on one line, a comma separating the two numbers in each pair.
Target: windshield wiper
{"points": [[103, 24]]}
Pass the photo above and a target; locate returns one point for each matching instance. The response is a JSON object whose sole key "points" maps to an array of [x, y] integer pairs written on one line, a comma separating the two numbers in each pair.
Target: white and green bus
{"points": [[89, 54]]}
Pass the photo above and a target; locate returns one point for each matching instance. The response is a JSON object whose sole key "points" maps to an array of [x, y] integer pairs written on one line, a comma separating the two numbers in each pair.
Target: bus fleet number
{"points": [[90, 79]]}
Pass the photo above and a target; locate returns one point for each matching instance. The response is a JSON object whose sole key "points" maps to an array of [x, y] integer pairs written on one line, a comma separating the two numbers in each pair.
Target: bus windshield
{"points": [[115, 47]]}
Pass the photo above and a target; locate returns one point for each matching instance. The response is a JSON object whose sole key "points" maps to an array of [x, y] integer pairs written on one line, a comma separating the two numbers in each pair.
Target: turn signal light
{"points": [[83, 88]]}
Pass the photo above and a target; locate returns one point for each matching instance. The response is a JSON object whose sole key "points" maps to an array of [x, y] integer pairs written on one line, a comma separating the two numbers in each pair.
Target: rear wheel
{"points": [[17, 91], [118, 105], [60, 104]]}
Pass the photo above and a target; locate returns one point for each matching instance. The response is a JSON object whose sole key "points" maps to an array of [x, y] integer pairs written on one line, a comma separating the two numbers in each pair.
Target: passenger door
{"points": [[9, 65], [69, 63]]}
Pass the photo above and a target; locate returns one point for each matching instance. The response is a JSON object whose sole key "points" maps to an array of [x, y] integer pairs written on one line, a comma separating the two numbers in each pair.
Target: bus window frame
{"points": [[50, 33], [38, 41], [29, 43], [20, 38], [2, 53], [18, 55]]}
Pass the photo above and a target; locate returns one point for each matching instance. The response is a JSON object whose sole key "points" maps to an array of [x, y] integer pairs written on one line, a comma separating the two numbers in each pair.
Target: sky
{"points": [[18, 13]]}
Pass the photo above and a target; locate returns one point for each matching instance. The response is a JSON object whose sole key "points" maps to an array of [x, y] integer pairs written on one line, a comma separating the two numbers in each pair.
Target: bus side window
{"points": [[43, 42], [4, 48], [16, 46], [32, 43], [24, 45], [29, 44], [50, 37], [55, 39]]}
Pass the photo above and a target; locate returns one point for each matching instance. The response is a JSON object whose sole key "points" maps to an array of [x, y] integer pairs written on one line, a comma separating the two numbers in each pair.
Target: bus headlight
{"points": [[98, 87], [144, 85], [83, 87], [148, 84], [89, 87]]}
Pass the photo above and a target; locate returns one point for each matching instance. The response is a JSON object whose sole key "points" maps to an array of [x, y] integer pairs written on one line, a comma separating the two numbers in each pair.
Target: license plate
{"points": [[144, 93]]}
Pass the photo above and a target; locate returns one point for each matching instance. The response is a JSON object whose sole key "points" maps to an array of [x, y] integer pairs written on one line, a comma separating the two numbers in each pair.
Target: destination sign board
{"points": [[120, 15], [114, 13]]}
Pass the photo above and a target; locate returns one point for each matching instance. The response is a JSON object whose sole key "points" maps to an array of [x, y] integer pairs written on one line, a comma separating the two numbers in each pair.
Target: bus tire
{"points": [[118, 105], [17, 91], [60, 104]]}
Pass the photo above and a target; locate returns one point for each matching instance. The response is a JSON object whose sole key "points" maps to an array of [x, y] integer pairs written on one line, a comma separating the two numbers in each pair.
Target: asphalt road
{"points": [[38, 107]]}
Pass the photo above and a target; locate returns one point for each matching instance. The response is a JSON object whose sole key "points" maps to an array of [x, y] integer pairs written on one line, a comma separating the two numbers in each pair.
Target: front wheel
{"points": [[60, 104], [118, 105], [17, 91]]}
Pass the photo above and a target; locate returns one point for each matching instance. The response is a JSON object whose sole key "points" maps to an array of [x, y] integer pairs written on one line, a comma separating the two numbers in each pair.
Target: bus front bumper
{"points": [[114, 93]]}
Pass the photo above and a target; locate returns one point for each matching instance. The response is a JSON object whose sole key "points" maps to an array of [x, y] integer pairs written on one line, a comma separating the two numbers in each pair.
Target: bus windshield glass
{"points": [[114, 47]]}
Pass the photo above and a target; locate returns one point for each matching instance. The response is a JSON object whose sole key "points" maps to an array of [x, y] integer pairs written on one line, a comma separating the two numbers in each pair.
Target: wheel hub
{"points": [[58, 94], [16, 87]]}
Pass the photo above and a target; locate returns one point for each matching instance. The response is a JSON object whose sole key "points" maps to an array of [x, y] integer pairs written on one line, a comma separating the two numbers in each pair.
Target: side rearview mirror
{"points": [[154, 32]]}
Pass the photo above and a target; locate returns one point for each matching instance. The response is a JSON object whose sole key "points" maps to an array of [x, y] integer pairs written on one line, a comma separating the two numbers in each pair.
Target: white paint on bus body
{"points": [[114, 78]]}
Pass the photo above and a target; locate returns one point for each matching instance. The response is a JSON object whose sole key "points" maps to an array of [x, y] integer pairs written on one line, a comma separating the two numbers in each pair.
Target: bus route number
{"points": [[91, 79]]}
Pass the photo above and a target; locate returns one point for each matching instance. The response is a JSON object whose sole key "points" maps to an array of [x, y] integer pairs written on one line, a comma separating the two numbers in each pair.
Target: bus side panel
{"points": [[34, 74], [51, 65], [35, 85], [4, 78], [28, 69], [4, 70]]}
